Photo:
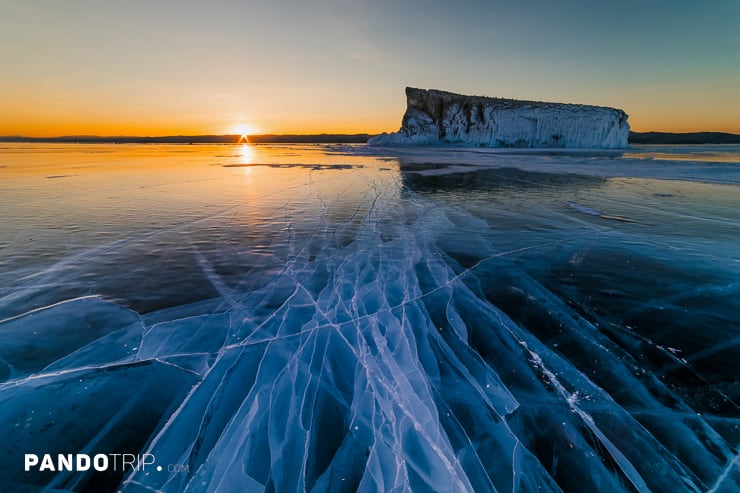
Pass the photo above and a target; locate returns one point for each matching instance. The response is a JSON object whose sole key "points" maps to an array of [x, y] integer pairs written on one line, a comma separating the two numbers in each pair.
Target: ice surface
{"points": [[423, 321]]}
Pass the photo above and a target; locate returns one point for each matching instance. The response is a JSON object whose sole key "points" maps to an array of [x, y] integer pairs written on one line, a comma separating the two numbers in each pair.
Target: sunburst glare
{"points": [[244, 130]]}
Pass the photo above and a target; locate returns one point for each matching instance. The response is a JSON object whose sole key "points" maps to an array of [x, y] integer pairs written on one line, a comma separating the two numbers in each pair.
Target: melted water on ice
{"points": [[293, 318]]}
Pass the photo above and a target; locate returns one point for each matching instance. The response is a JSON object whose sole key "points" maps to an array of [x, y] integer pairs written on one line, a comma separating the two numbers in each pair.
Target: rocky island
{"points": [[436, 117]]}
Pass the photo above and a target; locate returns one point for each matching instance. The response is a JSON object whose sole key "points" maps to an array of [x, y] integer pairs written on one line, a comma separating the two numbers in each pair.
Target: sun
{"points": [[244, 130]]}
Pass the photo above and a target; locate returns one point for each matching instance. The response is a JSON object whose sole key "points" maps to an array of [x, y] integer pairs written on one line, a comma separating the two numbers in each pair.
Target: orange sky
{"points": [[167, 68]]}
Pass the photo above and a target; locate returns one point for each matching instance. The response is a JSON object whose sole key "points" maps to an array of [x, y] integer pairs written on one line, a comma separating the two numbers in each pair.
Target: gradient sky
{"points": [[160, 67]]}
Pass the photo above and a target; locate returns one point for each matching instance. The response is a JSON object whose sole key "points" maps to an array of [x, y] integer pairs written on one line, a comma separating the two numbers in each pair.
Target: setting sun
{"points": [[244, 129]]}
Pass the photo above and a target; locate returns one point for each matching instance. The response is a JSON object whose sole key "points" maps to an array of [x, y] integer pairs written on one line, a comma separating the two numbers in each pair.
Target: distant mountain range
{"points": [[634, 138]]}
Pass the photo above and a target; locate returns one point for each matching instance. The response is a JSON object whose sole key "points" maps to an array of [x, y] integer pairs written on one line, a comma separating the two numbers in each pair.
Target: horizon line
{"points": [[195, 138], [289, 134], [649, 137], [96, 136]]}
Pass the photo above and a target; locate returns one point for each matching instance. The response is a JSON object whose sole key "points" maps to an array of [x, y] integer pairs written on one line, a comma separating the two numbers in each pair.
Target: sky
{"points": [[162, 67]]}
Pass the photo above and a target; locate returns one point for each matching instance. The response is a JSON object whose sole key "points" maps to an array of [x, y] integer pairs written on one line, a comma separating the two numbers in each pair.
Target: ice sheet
{"points": [[413, 322]]}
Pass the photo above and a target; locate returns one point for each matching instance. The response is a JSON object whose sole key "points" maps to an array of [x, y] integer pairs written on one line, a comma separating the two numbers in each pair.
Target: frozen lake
{"points": [[326, 317]]}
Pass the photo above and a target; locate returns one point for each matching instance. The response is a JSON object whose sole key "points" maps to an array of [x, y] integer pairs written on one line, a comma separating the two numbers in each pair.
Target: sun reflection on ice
{"points": [[246, 153]]}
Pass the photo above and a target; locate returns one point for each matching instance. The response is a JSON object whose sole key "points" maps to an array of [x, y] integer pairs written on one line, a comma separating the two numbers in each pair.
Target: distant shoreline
{"points": [[655, 138], [197, 139], [658, 138]]}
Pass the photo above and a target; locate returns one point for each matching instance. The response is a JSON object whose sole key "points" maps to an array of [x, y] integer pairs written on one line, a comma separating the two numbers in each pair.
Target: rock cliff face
{"points": [[438, 118]]}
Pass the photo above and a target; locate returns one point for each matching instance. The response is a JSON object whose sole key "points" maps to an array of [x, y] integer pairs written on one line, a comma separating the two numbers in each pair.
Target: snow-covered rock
{"points": [[438, 118]]}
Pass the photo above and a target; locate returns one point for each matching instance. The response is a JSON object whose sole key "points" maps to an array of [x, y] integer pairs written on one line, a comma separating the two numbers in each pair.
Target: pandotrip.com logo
{"points": [[98, 462]]}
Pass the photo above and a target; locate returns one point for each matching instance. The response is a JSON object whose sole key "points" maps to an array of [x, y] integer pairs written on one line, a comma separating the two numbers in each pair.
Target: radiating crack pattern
{"points": [[375, 331]]}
